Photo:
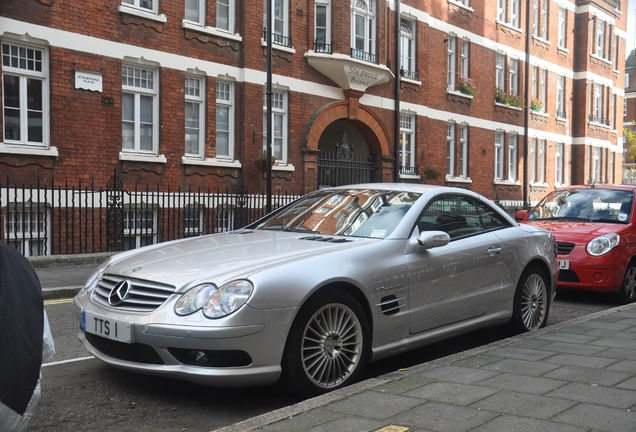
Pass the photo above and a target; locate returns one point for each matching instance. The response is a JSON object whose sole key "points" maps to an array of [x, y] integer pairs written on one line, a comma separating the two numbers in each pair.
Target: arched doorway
{"points": [[364, 131], [344, 156]]}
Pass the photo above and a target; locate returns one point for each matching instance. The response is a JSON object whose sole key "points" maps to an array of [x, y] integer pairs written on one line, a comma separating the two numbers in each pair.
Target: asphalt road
{"points": [[80, 393]]}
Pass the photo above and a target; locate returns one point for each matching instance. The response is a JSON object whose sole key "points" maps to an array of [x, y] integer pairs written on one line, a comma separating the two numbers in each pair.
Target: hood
{"points": [[219, 258], [577, 232]]}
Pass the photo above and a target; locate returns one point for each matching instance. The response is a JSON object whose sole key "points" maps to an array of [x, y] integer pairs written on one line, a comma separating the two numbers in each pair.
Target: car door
{"points": [[461, 280]]}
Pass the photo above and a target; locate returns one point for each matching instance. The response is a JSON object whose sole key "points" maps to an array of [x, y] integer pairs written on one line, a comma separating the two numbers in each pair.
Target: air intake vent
{"points": [[390, 305], [326, 239], [564, 248]]}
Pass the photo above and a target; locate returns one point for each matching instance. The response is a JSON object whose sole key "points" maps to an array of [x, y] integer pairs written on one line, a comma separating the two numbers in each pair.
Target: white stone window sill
{"points": [[212, 31], [563, 119], [510, 26], [143, 14], [599, 124], [459, 179], [540, 113], [291, 50], [409, 177], [407, 80], [222, 163], [138, 157], [564, 49], [20, 149], [283, 167], [541, 185], [507, 182], [508, 106], [542, 40], [458, 93], [601, 59]]}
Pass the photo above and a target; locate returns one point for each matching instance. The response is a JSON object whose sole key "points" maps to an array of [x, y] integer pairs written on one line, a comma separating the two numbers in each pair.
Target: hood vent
{"points": [[326, 239]]}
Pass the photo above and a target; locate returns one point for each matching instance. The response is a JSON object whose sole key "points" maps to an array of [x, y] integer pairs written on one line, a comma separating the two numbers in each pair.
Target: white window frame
{"points": [[544, 19], [542, 160], [600, 37], [140, 4], [500, 68], [450, 149], [514, 13], [138, 92], [533, 160], [615, 53], [543, 89], [463, 151], [407, 45], [559, 163], [514, 76], [280, 20], [596, 164], [280, 114], [195, 97], [464, 70], [562, 27], [512, 156], [452, 60], [560, 97], [326, 4], [502, 6], [598, 103], [363, 39], [535, 18], [230, 6], [499, 155], [20, 60], [407, 143], [225, 100], [198, 8], [626, 83], [535, 81]]}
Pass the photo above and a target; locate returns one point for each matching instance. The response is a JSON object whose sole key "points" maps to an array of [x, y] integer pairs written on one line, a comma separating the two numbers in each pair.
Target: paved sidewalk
{"points": [[574, 376]]}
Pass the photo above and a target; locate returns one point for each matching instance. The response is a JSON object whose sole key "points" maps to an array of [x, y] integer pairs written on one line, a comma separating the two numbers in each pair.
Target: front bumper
{"points": [[588, 273], [237, 354]]}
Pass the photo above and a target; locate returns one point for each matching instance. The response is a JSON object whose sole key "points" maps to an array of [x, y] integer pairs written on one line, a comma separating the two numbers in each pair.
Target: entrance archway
{"points": [[366, 123]]}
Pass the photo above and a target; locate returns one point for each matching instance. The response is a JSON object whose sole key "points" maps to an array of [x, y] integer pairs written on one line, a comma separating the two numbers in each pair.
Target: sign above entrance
{"points": [[347, 72]]}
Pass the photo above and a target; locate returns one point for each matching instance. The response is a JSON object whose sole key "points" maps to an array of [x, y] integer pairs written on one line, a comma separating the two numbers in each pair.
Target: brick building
{"points": [[629, 105], [172, 94]]}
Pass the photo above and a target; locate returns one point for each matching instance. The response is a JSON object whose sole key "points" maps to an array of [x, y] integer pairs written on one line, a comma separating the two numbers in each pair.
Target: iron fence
{"points": [[52, 219]]}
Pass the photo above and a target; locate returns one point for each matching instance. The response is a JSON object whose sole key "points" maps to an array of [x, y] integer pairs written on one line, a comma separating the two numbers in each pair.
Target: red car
{"points": [[596, 236]]}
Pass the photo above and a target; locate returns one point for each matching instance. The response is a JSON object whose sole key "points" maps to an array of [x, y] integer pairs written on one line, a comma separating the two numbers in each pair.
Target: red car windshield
{"points": [[588, 204]]}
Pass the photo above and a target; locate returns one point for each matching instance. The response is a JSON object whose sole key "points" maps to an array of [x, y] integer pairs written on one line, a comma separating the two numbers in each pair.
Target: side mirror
{"points": [[521, 215], [433, 239]]}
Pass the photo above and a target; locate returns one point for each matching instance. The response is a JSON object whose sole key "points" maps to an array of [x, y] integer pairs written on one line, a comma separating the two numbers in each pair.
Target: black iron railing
{"points": [[364, 56], [278, 39], [321, 47], [412, 75], [53, 219]]}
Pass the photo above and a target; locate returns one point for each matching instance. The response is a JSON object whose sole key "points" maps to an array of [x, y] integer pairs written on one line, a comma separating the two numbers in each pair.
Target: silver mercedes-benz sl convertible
{"points": [[312, 292]]}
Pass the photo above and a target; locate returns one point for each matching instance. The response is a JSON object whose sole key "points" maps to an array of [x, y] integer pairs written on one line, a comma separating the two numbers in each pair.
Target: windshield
{"points": [[352, 212], [589, 204]]}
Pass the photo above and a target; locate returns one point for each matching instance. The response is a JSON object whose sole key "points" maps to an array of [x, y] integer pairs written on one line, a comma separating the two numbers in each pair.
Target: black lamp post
{"points": [[268, 162]]}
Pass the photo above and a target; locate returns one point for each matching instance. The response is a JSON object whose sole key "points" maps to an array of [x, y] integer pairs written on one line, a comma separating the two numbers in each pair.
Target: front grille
{"points": [[564, 248], [138, 353], [568, 276], [144, 296]]}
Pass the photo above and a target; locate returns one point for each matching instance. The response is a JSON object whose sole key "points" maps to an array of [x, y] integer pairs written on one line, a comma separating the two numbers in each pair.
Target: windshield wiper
{"points": [[301, 229]]}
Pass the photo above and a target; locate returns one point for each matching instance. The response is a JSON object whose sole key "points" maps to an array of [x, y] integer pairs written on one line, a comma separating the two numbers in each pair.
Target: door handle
{"points": [[494, 250]]}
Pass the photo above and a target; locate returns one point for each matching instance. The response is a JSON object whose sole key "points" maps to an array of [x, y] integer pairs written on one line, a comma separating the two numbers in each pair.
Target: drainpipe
{"points": [[526, 94], [398, 58]]}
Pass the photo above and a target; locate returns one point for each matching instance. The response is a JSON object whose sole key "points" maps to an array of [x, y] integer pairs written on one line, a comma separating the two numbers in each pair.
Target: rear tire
{"points": [[627, 293], [532, 301], [328, 345]]}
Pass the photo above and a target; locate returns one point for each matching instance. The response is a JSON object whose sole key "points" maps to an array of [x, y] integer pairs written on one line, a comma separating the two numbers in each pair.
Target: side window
{"points": [[459, 216]]}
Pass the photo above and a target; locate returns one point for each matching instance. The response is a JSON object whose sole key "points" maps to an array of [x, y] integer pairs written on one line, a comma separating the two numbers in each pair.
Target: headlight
{"points": [[215, 302], [603, 244]]}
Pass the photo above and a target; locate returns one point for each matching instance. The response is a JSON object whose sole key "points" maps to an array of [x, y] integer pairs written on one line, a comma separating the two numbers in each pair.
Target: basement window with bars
{"points": [[140, 227], [26, 228]]}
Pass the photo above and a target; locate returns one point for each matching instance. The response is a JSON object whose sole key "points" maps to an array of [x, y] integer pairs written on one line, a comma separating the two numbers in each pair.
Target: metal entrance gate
{"points": [[334, 169]]}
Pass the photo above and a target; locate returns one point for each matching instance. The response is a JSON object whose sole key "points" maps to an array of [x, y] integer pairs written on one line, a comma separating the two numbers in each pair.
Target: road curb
{"points": [[60, 261]]}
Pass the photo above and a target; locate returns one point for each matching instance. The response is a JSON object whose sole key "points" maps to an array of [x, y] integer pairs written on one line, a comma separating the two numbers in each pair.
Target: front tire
{"points": [[627, 293], [532, 301], [328, 344]]}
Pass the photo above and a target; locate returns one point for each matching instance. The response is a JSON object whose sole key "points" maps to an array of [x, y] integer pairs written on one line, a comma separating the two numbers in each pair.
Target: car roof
{"points": [[629, 188]]}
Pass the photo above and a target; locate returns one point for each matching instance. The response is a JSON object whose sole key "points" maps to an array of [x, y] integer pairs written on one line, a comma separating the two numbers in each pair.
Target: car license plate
{"points": [[564, 264], [108, 328]]}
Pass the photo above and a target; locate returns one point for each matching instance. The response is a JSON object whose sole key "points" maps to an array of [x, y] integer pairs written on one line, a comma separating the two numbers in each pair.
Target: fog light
{"points": [[599, 277], [198, 357]]}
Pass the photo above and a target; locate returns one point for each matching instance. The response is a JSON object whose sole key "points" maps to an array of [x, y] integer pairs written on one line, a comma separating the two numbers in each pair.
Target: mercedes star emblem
{"points": [[119, 293]]}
